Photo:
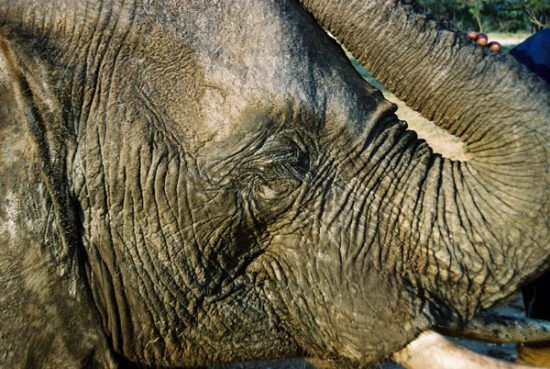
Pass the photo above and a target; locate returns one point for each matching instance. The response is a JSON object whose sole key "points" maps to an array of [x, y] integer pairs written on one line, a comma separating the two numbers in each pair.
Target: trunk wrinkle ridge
{"points": [[501, 191]]}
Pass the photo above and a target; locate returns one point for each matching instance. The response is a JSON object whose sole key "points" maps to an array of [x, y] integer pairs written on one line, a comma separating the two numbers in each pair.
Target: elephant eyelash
{"points": [[287, 166]]}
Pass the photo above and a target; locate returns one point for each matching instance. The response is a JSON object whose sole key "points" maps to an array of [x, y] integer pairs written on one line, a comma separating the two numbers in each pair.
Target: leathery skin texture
{"points": [[187, 182]]}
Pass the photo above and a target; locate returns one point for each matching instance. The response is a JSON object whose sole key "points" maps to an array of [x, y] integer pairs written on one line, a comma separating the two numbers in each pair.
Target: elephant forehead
{"points": [[273, 58], [256, 64]]}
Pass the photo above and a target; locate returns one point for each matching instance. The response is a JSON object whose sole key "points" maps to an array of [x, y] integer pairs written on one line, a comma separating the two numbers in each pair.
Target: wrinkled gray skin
{"points": [[194, 182]]}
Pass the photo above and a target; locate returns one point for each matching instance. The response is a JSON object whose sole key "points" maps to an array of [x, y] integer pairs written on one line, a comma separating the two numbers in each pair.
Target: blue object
{"points": [[535, 53]]}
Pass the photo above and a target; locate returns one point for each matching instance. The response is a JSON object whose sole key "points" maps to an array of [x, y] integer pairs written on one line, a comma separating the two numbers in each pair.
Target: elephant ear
{"points": [[48, 320], [27, 99]]}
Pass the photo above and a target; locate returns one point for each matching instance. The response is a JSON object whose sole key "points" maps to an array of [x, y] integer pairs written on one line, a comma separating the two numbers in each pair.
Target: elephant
{"points": [[186, 183]]}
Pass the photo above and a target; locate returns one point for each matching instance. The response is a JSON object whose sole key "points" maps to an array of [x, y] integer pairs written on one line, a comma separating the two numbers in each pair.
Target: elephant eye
{"points": [[284, 158], [280, 168]]}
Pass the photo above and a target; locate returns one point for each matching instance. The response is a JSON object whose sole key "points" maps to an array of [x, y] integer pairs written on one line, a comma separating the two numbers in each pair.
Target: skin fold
{"points": [[190, 182]]}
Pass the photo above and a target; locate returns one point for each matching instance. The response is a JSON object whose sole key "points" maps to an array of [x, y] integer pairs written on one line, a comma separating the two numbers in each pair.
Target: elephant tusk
{"points": [[433, 351], [501, 329]]}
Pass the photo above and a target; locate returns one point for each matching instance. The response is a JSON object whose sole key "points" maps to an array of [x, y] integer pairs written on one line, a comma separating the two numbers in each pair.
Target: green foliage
{"points": [[538, 12], [493, 15]]}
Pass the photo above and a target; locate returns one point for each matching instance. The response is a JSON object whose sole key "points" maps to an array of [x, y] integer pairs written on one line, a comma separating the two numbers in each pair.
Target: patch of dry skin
{"points": [[12, 148]]}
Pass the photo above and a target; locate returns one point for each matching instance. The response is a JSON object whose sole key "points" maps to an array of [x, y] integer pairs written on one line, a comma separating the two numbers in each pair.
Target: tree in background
{"points": [[493, 15], [538, 12], [476, 8]]}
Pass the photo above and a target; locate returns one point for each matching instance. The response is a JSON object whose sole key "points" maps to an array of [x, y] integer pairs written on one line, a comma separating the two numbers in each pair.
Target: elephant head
{"points": [[229, 188]]}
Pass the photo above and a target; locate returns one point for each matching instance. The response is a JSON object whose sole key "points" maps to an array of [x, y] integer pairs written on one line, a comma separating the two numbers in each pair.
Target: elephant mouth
{"points": [[433, 350]]}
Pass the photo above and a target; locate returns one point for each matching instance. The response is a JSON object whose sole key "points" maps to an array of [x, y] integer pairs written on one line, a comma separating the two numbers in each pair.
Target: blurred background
{"points": [[493, 16], [506, 21]]}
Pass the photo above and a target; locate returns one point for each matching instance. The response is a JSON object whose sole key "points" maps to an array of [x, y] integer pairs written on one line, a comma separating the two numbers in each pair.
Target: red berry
{"points": [[473, 35], [495, 46], [482, 40]]}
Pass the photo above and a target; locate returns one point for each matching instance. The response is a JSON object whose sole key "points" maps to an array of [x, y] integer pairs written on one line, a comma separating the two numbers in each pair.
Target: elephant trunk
{"points": [[477, 228]]}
